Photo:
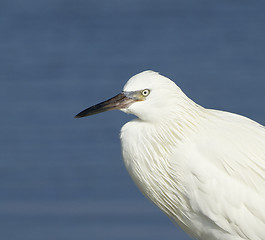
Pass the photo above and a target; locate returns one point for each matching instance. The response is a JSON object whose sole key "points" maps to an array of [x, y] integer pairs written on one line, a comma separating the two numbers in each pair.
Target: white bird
{"points": [[205, 169]]}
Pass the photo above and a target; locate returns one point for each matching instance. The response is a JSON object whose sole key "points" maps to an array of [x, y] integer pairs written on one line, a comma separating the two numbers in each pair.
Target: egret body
{"points": [[205, 169]]}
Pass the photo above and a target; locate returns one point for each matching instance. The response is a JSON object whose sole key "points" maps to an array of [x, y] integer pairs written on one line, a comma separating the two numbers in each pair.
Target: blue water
{"points": [[63, 178]]}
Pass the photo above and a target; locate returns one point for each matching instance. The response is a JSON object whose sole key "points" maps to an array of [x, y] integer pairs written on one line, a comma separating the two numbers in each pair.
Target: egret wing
{"points": [[226, 176]]}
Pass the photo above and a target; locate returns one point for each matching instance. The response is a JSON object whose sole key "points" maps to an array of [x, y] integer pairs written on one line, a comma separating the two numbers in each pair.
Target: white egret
{"points": [[205, 169]]}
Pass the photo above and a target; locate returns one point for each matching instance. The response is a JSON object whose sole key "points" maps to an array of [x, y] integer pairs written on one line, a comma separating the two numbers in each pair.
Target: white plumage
{"points": [[204, 168]]}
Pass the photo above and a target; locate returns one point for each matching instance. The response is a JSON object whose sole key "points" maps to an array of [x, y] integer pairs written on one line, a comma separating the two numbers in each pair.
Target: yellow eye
{"points": [[145, 92]]}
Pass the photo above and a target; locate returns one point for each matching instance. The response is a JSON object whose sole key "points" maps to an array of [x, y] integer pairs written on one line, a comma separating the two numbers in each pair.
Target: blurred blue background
{"points": [[63, 178]]}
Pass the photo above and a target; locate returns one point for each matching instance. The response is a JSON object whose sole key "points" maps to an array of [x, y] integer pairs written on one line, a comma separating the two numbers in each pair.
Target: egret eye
{"points": [[145, 92]]}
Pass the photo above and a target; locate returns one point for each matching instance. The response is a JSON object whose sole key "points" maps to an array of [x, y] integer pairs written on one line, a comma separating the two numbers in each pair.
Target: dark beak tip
{"points": [[79, 115]]}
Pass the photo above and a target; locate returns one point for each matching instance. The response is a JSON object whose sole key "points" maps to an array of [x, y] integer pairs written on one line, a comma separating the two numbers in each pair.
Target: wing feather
{"points": [[226, 184]]}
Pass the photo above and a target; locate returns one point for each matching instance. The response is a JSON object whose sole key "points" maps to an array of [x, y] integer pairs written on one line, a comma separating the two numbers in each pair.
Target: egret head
{"points": [[148, 95]]}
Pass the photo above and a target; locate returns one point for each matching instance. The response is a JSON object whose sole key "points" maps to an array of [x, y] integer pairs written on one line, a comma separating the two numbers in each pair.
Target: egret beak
{"points": [[120, 101]]}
